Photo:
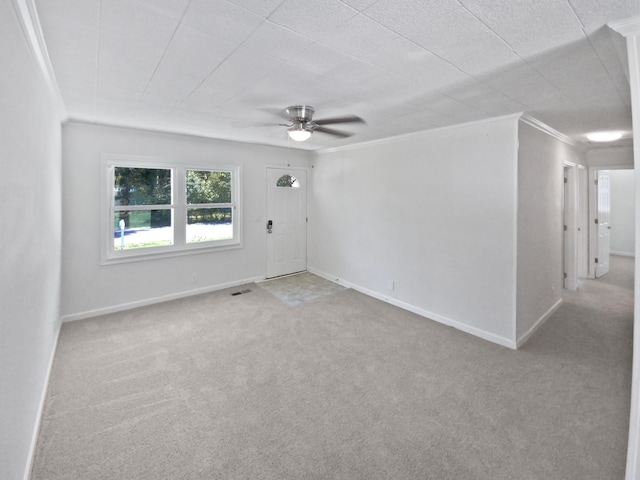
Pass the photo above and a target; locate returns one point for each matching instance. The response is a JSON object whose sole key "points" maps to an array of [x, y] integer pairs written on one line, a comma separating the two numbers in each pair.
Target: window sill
{"points": [[165, 252]]}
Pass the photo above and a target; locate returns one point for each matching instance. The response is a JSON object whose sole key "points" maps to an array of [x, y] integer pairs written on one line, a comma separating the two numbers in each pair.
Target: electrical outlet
{"points": [[194, 278]]}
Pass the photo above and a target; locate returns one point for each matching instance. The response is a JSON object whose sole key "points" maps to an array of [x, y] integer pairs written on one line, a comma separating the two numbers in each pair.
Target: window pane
{"points": [[208, 224], [288, 181], [142, 229], [208, 187], [142, 186]]}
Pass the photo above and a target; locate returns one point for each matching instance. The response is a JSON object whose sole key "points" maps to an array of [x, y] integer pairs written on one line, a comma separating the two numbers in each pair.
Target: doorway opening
{"points": [[612, 219]]}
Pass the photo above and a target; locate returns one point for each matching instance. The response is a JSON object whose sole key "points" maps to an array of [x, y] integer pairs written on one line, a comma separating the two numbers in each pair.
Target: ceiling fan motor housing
{"points": [[301, 124], [300, 113]]}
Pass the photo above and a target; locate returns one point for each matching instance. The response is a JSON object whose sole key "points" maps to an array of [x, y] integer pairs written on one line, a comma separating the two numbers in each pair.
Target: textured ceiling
{"points": [[221, 68]]}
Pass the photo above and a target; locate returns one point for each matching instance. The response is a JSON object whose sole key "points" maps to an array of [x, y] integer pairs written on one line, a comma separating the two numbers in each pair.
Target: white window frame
{"points": [[178, 204]]}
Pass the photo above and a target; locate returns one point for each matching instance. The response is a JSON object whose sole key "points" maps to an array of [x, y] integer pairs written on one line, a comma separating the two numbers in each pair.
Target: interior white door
{"points": [[604, 228], [286, 221]]}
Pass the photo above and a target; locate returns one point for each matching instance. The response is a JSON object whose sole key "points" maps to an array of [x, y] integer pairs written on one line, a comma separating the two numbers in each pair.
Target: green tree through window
{"points": [[288, 181], [143, 186], [167, 209], [208, 187], [209, 199]]}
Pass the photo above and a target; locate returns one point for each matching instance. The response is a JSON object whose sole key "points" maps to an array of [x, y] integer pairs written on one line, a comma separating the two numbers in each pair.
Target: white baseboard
{"points": [[151, 301], [623, 254], [43, 399], [523, 339], [491, 337]]}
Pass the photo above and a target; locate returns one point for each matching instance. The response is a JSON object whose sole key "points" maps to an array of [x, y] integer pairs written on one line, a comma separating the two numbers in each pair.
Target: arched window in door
{"points": [[288, 181]]}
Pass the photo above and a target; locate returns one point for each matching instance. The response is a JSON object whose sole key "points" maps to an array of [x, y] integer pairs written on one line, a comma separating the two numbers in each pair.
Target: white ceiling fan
{"points": [[301, 125]]}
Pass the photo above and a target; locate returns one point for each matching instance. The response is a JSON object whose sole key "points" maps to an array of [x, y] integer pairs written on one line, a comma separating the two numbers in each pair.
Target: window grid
{"points": [[227, 234]]}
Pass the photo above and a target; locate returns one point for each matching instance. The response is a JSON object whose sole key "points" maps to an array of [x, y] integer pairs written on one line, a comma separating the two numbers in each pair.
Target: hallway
{"points": [[592, 333]]}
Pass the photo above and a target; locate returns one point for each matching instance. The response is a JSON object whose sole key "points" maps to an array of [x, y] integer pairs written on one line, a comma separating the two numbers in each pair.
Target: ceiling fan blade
{"points": [[345, 119], [332, 131]]}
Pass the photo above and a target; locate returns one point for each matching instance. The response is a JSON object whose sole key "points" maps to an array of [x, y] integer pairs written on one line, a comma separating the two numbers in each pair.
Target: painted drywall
{"points": [[29, 242], [622, 218], [610, 157], [541, 160], [434, 213], [630, 28], [633, 451], [90, 288]]}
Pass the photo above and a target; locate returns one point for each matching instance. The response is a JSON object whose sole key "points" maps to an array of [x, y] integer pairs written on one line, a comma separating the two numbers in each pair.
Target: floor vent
{"points": [[235, 294]]}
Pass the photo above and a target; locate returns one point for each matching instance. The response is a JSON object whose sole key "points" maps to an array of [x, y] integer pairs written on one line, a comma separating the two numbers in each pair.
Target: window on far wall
{"points": [[209, 209], [162, 209], [142, 207]]}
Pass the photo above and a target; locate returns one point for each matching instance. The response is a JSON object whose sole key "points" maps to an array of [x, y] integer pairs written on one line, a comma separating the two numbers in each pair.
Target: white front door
{"points": [[604, 228], [286, 226]]}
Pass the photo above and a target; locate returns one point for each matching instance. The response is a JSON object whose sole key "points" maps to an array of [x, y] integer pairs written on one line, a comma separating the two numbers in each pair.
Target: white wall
{"points": [[622, 218], [541, 160], [435, 212], [610, 157], [90, 288], [630, 28], [29, 242]]}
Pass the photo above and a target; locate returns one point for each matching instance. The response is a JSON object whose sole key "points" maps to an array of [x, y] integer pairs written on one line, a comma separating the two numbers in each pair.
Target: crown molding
{"points": [[543, 127], [404, 136], [627, 27], [76, 122], [30, 25]]}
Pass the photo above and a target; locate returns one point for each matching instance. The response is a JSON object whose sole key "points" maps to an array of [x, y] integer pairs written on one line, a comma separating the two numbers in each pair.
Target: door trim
{"points": [[570, 207], [593, 214]]}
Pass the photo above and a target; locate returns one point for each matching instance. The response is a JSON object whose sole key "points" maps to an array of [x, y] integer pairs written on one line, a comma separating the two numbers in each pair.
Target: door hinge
{"points": [[596, 260], [565, 274], [596, 182], [566, 180], [596, 221], [565, 228]]}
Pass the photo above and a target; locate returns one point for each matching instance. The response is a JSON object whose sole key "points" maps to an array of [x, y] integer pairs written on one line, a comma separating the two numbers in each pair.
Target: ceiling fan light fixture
{"points": [[301, 125], [299, 134], [604, 136]]}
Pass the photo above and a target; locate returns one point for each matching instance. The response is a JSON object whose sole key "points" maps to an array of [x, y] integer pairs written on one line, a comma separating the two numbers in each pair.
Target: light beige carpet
{"points": [[341, 387]]}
